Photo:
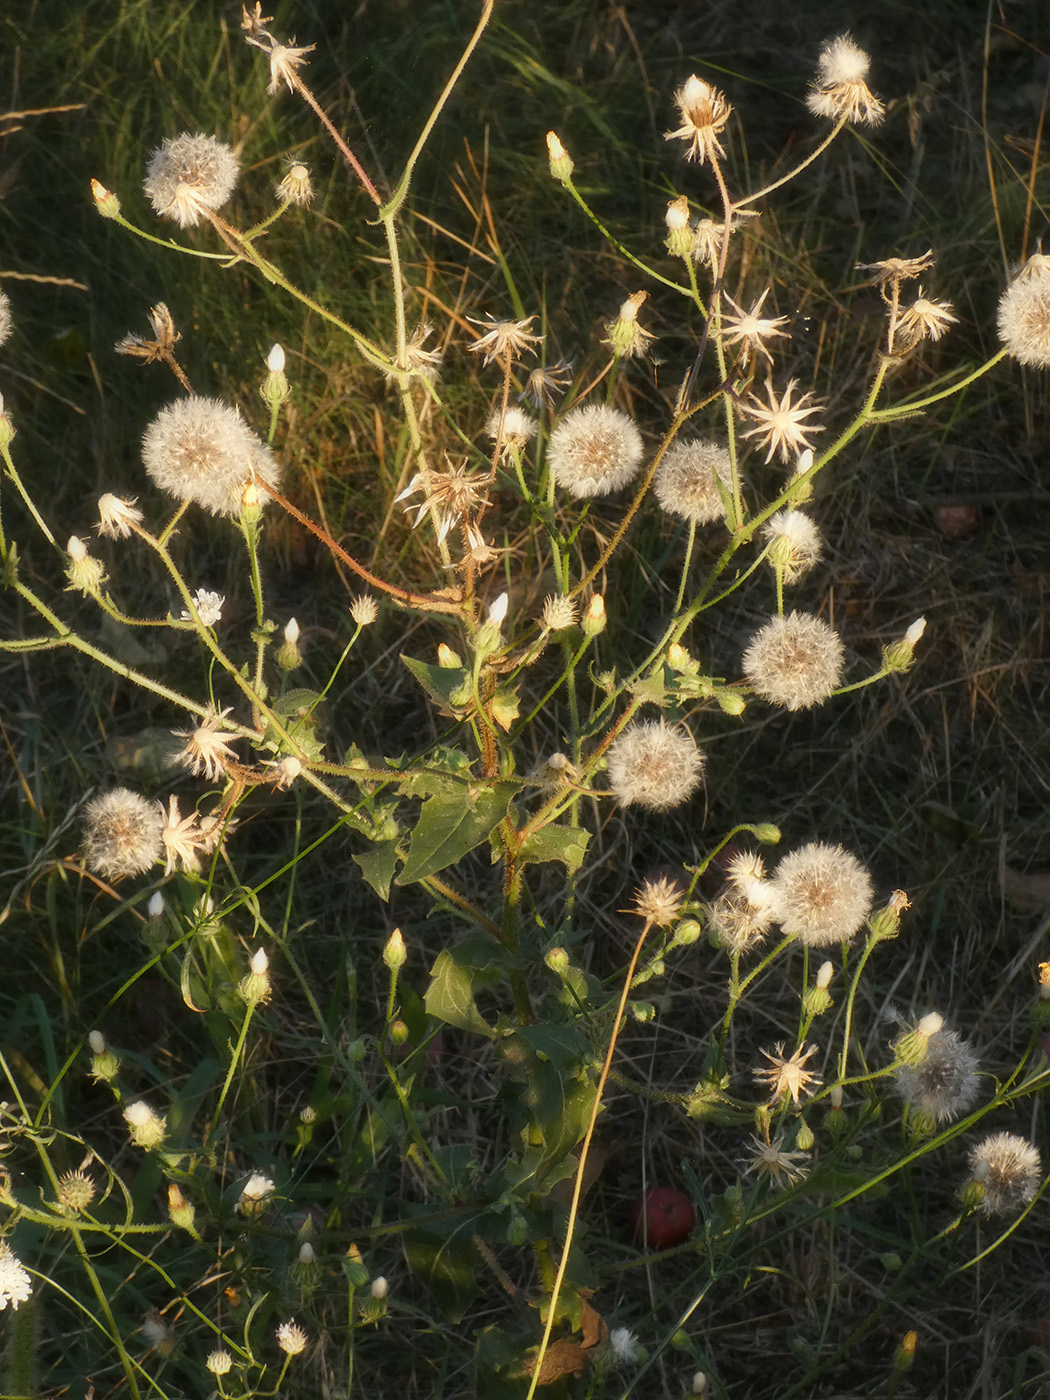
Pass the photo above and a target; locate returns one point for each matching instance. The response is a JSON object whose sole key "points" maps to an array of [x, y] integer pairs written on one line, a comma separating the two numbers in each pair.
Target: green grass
{"points": [[936, 779]]}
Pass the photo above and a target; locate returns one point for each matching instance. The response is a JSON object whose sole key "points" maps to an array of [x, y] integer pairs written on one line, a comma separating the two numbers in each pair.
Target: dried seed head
{"points": [[513, 428], [116, 517], [781, 424], [794, 661], [703, 111], [547, 382], [658, 901], [364, 610], [840, 90], [188, 175], [76, 1191], [219, 1363], [206, 751], [291, 1338], [688, 479], [594, 450], [558, 613], [122, 834], [785, 1078], [654, 764], [5, 317], [795, 543], [202, 450], [923, 319], [750, 330], [944, 1083], [1024, 313], [295, 185], [771, 1160], [504, 338], [1008, 1168], [824, 894]]}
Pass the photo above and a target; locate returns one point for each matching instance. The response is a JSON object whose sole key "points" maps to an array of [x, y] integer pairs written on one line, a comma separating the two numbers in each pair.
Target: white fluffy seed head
{"points": [[190, 174], [842, 61], [823, 894], [1009, 1168], [202, 450], [654, 764], [688, 479], [594, 450], [1024, 313], [794, 661], [944, 1083], [122, 834]]}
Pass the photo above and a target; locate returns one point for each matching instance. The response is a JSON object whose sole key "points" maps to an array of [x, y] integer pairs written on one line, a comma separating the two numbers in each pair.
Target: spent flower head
{"points": [[116, 517], [781, 424], [504, 338], [1008, 1169], [122, 833], [788, 1077], [750, 330], [160, 347], [944, 1083], [770, 1159], [794, 661], [206, 750], [703, 112], [694, 480], [594, 450], [5, 317], [890, 270], [448, 496], [291, 1338], [364, 610], [840, 90], [658, 901], [1024, 313], [654, 764], [188, 175], [547, 382], [202, 450], [295, 185], [794, 543], [626, 336], [824, 894], [146, 1128]]}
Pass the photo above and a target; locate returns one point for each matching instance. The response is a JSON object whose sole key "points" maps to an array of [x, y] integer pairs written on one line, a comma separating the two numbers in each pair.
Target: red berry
{"points": [[663, 1217]]}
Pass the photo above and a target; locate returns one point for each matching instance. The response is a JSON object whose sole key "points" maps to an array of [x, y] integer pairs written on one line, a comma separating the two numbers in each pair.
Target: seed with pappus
{"points": [[1024, 313], [795, 544], [944, 1083], [202, 450], [794, 661], [840, 90], [703, 112], [513, 428], [824, 894], [188, 175], [688, 478], [594, 450], [122, 834], [655, 765], [1008, 1167]]}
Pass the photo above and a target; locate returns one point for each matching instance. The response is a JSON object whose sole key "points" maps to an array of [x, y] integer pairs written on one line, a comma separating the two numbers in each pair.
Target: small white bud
{"points": [[97, 1042], [306, 1254], [498, 610], [930, 1024], [291, 632], [915, 631], [824, 974], [379, 1288], [275, 359], [155, 907], [260, 962], [76, 549]]}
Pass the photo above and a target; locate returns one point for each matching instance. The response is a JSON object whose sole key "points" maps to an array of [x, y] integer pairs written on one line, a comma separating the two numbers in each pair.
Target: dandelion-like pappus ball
{"points": [[190, 174], [794, 661], [122, 834], [202, 450], [594, 450], [1024, 313], [655, 765], [688, 479]]}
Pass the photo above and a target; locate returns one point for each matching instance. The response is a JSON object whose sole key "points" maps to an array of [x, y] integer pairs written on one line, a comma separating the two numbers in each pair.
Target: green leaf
{"points": [[450, 996], [439, 682], [450, 826], [556, 842], [444, 1256], [377, 865]]}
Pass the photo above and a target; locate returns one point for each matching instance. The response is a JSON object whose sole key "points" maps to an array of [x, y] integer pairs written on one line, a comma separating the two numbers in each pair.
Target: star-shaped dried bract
{"points": [[781, 425], [165, 337], [450, 494], [750, 330], [787, 1076], [898, 269], [504, 338], [206, 751]]}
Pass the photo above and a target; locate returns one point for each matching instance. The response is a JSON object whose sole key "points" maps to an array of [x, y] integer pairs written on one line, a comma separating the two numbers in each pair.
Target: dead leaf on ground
{"points": [[1026, 891]]}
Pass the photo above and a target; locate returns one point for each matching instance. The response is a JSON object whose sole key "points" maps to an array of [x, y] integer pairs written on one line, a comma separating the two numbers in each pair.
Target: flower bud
{"points": [[354, 1268], [7, 428], [106, 202], [627, 338], [289, 656], [180, 1211], [395, 953], [255, 987], [804, 1138], [379, 1288], [557, 959], [275, 388], [899, 656], [104, 1064], [594, 617], [560, 160]]}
